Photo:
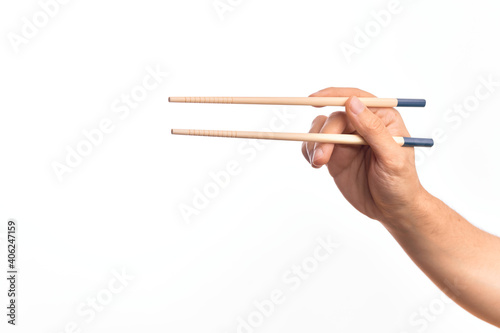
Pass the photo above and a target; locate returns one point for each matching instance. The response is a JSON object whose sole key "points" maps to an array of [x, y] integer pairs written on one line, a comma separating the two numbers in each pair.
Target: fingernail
{"points": [[356, 106], [317, 155]]}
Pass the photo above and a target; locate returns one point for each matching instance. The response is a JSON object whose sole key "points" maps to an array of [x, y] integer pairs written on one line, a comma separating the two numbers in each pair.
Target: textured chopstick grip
{"points": [[411, 102], [418, 142], [227, 134], [214, 100]]}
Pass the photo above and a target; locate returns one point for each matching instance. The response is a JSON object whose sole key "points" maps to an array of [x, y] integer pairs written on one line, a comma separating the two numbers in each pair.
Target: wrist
{"points": [[412, 214]]}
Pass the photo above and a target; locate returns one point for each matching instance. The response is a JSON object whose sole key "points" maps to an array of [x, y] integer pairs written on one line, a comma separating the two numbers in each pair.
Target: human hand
{"points": [[379, 180]]}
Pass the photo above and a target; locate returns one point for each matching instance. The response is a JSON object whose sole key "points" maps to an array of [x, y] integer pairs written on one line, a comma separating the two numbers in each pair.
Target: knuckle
{"points": [[361, 92], [396, 164], [394, 115], [318, 120], [335, 115], [374, 125]]}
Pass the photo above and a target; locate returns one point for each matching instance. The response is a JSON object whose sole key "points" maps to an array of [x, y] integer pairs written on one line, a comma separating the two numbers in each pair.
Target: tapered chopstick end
{"points": [[418, 142]]}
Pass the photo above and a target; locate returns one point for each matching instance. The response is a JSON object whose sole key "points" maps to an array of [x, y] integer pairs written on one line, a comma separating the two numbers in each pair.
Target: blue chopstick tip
{"points": [[418, 142], [411, 102]]}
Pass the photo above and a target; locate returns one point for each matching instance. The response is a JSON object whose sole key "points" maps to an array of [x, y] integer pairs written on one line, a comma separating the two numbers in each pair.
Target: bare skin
{"points": [[381, 181]]}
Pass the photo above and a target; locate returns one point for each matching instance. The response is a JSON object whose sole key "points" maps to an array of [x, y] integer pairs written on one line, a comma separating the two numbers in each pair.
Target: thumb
{"points": [[370, 127]]}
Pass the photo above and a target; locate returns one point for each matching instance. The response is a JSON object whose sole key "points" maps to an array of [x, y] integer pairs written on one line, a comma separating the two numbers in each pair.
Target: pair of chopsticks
{"points": [[348, 139]]}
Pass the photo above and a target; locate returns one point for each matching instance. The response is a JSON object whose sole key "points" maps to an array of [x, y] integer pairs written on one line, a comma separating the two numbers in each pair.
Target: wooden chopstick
{"points": [[346, 139], [314, 101]]}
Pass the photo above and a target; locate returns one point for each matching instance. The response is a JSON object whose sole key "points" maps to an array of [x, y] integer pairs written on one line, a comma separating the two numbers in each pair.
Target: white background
{"points": [[120, 208]]}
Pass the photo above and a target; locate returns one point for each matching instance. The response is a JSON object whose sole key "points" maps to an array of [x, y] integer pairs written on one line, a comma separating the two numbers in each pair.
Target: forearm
{"points": [[459, 258], [382, 183]]}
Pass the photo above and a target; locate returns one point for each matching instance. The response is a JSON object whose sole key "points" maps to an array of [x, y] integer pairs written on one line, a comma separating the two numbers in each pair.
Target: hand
{"points": [[379, 180]]}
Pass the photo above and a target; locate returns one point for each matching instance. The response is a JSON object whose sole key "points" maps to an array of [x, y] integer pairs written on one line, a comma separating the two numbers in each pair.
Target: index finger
{"points": [[341, 92]]}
